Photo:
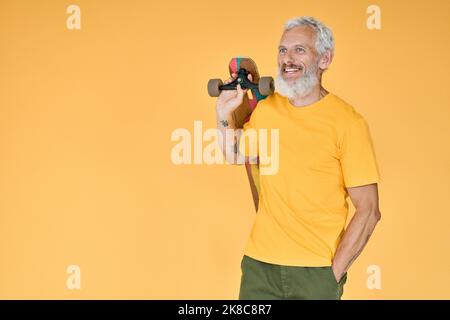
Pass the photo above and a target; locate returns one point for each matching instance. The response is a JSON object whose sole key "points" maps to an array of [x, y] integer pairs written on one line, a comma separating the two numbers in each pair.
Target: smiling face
{"points": [[297, 54], [300, 66]]}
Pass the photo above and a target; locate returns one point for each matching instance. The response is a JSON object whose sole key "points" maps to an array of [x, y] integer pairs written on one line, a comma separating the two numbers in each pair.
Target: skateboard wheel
{"points": [[266, 86], [213, 87]]}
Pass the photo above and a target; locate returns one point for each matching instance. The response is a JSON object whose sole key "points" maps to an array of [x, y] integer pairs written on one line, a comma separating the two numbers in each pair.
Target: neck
{"points": [[317, 93]]}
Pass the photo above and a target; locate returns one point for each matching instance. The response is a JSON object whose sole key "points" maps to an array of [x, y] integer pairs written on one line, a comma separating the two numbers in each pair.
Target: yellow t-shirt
{"points": [[323, 148]]}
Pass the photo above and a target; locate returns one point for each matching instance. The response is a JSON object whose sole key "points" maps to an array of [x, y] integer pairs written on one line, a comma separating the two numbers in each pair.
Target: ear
{"points": [[325, 60]]}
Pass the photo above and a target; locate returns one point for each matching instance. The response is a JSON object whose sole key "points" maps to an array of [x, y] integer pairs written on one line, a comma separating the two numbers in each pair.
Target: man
{"points": [[298, 247]]}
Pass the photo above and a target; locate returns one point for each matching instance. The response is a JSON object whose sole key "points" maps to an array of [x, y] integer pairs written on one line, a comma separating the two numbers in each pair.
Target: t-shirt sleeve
{"points": [[248, 143], [357, 155]]}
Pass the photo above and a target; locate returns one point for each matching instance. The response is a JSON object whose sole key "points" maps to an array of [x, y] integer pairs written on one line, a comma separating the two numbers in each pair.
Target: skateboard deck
{"points": [[242, 114], [257, 89]]}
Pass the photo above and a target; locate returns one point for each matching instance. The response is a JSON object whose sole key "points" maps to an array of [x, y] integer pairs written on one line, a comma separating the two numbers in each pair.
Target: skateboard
{"points": [[258, 89]]}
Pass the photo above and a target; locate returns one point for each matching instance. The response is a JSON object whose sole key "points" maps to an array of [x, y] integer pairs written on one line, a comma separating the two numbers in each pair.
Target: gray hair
{"points": [[324, 36]]}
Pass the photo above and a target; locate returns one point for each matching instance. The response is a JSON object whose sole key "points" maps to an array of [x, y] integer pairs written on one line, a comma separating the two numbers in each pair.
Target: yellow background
{"points": [[86, 117]]}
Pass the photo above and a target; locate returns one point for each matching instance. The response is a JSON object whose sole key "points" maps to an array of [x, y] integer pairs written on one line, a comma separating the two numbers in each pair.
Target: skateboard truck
{"points": [[265, 85], [242, 79]]}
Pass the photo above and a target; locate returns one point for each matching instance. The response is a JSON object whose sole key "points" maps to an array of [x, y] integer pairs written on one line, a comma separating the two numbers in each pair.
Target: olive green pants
{"points": [[265, 281]]}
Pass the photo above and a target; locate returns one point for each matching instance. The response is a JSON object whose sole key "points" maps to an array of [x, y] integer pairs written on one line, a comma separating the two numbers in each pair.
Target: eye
{"points": [[282, 50], [299, 50]]}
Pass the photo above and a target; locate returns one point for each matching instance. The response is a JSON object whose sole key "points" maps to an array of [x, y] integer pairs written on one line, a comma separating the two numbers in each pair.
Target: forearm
{"points": [[228, 142], [354, 239]]}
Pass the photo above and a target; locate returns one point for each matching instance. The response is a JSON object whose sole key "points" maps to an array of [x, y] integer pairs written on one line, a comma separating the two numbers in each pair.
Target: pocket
{"points": [[331, 273], [341, 281]]}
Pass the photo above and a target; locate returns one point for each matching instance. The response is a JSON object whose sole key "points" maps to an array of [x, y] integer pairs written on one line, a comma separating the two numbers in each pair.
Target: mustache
{"points": [[298, 66]]}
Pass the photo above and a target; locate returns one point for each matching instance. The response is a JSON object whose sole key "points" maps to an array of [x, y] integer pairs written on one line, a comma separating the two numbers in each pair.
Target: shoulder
{"points": [[265, 105], [345, 113], [270, 101], [271, 105]]}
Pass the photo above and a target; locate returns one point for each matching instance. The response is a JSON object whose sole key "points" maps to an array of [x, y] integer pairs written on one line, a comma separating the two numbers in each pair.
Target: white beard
{"points": [[300, 87]]}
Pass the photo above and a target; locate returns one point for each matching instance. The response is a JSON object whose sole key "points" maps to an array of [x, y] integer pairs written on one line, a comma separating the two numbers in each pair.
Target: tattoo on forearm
{"points": [[224, 123], [235, 147]]}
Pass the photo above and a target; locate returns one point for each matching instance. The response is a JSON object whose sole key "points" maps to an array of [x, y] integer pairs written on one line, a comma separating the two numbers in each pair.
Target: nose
{"points": [[287, 58]]}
